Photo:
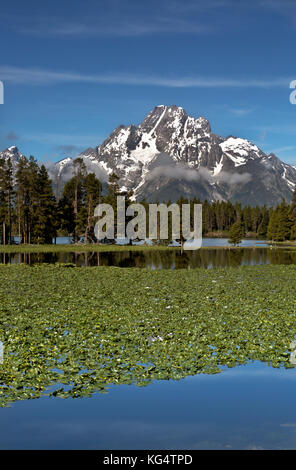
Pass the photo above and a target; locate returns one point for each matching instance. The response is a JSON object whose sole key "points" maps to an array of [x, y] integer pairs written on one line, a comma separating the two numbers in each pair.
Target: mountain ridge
{"points": [[171, 153]]}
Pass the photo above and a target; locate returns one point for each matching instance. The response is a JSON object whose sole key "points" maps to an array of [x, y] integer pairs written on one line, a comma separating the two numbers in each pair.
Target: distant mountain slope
{"points": [[171, 153]]}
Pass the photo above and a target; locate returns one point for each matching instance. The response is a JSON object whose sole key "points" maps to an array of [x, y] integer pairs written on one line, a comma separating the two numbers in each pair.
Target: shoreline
{"points": [[119, 248]]}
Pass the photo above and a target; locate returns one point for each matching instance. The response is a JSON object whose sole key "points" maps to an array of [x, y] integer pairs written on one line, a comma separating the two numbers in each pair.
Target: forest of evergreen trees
{"points": [[30, 210]]}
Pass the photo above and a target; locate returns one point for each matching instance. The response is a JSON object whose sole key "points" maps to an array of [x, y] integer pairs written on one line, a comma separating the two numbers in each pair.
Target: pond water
{"points": [[160, 259], [247, 407], [205, 241]]}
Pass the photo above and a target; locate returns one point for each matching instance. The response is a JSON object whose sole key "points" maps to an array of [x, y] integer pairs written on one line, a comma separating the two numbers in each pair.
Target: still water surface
{"points": [[247, 407], [160, 259]]}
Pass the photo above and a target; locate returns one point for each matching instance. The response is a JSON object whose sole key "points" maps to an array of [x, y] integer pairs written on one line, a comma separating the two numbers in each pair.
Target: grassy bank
{"points": [[71, 332], [286, 243], [78, 248], [99, 248], [222, 234]]}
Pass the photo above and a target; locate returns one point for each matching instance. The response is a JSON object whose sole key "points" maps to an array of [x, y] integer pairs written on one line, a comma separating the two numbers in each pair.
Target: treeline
{"points": [[30, 210], [275, 224], [27, 203]]}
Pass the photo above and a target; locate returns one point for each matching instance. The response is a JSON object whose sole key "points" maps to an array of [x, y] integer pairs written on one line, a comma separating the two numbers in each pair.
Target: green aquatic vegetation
{"points": [[72, 332]]}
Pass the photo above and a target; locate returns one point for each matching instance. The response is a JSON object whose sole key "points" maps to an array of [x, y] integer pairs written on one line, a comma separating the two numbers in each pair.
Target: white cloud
{"points": [[283, 149], [67, 172], [240, 111], [63, 139], [120, 28], [181, 171], [37, 76]]}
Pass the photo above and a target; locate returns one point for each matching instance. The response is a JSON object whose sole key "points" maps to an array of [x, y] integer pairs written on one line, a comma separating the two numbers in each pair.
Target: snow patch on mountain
{"points": [[218, 167], [240, 147], [62, 163]]}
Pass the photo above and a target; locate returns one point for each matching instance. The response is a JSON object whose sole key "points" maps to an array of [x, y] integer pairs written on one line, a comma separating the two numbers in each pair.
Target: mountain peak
{"points": [[13, 154], [172, 153], [171, 106], [10, 152], [13, 150]]}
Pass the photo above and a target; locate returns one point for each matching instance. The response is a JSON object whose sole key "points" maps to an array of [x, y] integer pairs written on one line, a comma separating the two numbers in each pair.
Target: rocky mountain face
{"points": [[171, 153], [12, 153]]}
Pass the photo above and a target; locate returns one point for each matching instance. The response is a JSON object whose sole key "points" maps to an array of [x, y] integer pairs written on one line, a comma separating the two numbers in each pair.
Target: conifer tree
{"points": [[292, 216], [263, 225], [6, 199], [284, 222], [2, 202], [272, 226], [113, 190], [235, 234], [279, 227], [21, 179], [93, 189], [44, 209]]}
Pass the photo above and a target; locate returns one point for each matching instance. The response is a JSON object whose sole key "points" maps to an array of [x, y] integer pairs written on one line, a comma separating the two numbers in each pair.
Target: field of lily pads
{"points": [[70, 332]]}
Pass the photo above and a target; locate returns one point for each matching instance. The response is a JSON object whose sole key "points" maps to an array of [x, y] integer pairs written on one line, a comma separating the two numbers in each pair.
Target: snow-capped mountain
{"points": [[171, 153], [12, 153]]}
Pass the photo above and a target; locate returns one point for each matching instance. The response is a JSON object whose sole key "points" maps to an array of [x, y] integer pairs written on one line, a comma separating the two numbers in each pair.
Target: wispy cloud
{"points": [[118, 19], [282, 5], [69, 149], [286, 8], [289, 129], [120, 28], [37, 76], [11, 136], [241, 111], [284, 149], [60, 140], [263, 135], [166, 167], [160, 17], [201, 6]]}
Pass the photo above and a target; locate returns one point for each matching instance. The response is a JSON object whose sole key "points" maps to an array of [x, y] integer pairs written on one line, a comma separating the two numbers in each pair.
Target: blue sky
{"points": [[75, 70]]}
